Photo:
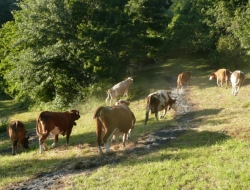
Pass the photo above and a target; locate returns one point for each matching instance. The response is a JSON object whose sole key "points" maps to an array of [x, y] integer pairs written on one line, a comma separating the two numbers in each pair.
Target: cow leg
{"points": [[124, 139], [67, 136], [164, 113], [129, 135], [107, 137], [156, 116], [42, 143], [147, 113], [14, 147], [55, 141], [99, 130]]}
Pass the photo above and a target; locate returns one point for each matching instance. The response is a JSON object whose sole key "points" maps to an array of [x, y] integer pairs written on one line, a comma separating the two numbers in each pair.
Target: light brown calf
{"points": [[183, 79], [17, 134], [222, 75]]}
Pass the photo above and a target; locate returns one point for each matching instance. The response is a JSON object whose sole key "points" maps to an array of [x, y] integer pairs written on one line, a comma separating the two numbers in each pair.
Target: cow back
{"points": [[17, 133], [120, 117], [47, 121], [237, 78]]}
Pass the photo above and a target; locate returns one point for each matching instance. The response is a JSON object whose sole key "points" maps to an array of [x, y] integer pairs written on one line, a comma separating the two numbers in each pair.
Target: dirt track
{"points": [[144, 144]]}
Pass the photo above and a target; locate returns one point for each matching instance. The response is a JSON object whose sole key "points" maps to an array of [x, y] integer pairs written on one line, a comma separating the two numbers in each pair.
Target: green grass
{"points": [[213, 153]]}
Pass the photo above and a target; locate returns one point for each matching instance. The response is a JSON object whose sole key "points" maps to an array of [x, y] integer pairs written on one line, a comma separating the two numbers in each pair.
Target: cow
{"points": [[183, 78], [222, 75], [237, 79], [159, 101], [56, 123], [17, 134], [110, 119], [119, 89]]}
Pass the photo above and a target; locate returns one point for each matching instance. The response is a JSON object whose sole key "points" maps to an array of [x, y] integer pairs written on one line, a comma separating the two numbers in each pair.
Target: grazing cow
{"points": [[55, 123], [119, 89], [110, 119], [159, 101], [183, 78], [17, 134], [222, 75], [237, 79]]}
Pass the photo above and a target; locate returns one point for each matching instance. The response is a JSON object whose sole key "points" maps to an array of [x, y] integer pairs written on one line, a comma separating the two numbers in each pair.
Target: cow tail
{"points": [[147, 109], [38, 124], [15, 133], [97, 112], [98, 125]]}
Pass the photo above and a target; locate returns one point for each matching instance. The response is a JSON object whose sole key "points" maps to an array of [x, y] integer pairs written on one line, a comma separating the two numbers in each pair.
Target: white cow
{"points": [[119, 89], [237, 79]]}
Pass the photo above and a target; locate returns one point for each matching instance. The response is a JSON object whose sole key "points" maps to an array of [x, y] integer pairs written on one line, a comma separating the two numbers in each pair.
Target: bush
{"points": [[4, 122]]}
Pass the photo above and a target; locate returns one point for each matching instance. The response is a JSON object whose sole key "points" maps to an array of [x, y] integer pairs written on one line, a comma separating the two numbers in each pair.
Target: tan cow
{"points": [[222, 75], [159, 101], [110, 119], [56, 123], [119, 89], [183, 79], [237, 79], [17, 134]]}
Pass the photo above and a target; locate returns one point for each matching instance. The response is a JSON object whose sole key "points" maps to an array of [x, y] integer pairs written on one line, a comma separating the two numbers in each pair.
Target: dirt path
{"points": [[144, 144]]}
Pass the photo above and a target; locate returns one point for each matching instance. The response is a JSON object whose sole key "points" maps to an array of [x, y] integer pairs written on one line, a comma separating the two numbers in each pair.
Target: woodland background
{"points": [[57, 53]]}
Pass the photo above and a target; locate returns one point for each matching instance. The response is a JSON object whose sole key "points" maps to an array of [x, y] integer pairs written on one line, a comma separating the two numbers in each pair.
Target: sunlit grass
{"points": [[213, 154]]}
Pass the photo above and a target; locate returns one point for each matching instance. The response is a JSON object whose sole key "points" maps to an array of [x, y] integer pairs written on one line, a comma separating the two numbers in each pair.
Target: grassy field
{"points": [[212, 154]]}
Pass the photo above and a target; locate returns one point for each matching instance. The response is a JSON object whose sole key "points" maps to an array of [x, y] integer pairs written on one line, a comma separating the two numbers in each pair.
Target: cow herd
{"points": [[111, 120], [224, 75]]}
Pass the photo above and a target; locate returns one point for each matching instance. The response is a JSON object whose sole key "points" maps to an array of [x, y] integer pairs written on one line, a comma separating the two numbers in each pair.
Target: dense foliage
{"points": [[56, 52]]}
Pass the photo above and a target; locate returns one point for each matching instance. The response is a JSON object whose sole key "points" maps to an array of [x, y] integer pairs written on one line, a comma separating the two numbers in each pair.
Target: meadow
{"points": [[212, 153]]}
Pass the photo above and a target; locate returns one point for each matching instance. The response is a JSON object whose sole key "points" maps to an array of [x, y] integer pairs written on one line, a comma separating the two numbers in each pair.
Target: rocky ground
{"points": [[144, 144]]}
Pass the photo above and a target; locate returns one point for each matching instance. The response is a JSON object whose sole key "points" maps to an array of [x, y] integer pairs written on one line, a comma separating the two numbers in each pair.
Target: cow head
{"points": [[25, 142], [75, 115], [212, 76], [129, 80], [172, 103], [120, 102]]}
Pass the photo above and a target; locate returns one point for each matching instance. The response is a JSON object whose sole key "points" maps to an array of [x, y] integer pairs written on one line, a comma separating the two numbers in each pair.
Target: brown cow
{"points": [[111, 119], [237, 79], [119, 89], [183, 78], [17, 134], [222, 75], [55, 123], [159, 101]]}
